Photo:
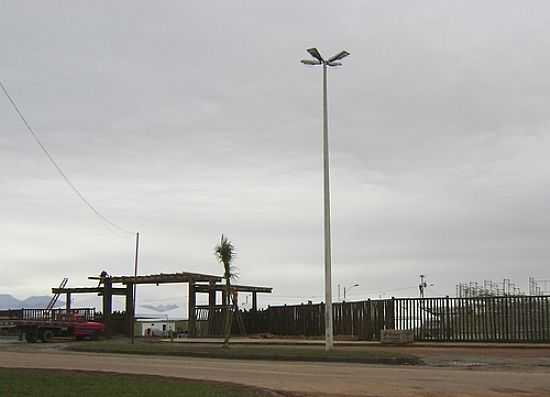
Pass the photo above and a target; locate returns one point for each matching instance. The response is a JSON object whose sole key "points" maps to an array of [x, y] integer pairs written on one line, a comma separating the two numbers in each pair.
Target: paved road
{"points": [[314, 378]]}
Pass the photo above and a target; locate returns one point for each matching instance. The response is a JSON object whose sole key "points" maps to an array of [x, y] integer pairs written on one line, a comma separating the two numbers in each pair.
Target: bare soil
{"points": [[512, 372]]}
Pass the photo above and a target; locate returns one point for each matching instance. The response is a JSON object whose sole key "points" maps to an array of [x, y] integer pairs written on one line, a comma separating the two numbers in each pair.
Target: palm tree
{"points": [[225, 252]]}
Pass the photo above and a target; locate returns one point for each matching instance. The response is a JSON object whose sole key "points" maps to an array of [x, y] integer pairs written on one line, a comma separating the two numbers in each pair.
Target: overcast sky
{"points": [[185, 120]]}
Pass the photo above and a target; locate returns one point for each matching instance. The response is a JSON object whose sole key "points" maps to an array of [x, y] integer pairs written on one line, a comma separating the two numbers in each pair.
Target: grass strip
{"points": [[252, 352], [22, 382]]}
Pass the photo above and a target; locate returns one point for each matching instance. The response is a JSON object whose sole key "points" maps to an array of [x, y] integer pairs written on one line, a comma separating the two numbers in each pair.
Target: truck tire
{"points": [[46, 335], [30, 335]]}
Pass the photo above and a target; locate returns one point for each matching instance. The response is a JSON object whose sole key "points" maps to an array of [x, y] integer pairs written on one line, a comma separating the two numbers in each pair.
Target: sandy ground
{"points": [[313, 379]]}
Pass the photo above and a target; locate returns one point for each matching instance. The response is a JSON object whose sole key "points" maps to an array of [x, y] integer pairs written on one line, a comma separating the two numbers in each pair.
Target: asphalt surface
{"points": [[313, 379]]}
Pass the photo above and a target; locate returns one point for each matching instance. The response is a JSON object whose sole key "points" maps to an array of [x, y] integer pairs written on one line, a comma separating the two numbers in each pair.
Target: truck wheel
{"points": [[30, 336], [46, 335]]}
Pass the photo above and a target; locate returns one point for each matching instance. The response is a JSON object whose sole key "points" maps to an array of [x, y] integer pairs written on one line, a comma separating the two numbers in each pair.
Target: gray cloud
{"points": [[186, 120]]}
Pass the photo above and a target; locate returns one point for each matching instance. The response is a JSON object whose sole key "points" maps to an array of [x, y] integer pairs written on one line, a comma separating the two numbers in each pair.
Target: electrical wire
{"points": [[57, 167]]}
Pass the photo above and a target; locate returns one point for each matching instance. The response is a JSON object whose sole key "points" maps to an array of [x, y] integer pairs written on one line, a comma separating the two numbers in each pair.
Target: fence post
{"points": [[448, 316]]}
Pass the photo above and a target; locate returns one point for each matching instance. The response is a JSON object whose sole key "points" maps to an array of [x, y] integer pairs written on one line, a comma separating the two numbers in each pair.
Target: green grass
{"points": [[255, 352], [54, 383]]}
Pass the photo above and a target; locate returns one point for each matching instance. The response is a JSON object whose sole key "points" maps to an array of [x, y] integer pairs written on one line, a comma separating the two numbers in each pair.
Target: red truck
{"points": [[43, 324]]}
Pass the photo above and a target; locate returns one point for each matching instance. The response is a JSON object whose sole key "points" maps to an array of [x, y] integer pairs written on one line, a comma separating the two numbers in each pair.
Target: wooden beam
{"points": [[88, 290], [162, 278], [208, 307], [238, 288]]}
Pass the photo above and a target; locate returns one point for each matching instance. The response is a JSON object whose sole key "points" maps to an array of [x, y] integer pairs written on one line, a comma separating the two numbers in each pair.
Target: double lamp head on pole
{"points": [[314, 52]]}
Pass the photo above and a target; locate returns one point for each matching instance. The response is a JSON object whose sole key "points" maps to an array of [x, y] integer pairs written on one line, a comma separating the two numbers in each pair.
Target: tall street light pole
{"points": [[318, 60]]}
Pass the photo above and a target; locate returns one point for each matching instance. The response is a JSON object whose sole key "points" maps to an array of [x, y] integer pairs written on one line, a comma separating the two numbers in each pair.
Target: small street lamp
{"points": [[349, 289]]}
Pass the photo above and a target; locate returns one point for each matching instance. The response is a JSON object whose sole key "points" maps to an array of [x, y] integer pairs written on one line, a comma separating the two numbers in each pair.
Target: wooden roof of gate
{"points": [[163, 278], [238, 288]]}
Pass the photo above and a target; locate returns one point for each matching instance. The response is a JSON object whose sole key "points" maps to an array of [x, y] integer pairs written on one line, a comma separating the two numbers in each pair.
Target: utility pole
{"points": [[133, 314]]}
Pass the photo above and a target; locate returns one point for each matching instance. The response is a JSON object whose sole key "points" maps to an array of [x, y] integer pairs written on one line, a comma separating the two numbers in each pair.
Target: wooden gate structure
{"points": [[197, 283]]}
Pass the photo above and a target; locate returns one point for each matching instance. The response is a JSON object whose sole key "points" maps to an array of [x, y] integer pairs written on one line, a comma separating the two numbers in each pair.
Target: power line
{"points": [[57, 167]]}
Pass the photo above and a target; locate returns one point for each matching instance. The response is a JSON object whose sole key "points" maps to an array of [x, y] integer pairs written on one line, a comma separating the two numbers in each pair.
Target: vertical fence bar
{"points": [[530, 322], [518, 319], [494, 315], [473, 301], [523, 316]]}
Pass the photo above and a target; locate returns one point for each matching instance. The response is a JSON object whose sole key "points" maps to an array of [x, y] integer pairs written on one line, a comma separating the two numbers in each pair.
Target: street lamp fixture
{"points": [[349, 289], [319, 60]]}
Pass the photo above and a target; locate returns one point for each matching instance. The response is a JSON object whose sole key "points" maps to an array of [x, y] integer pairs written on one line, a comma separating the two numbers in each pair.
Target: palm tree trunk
{"points": [[228, 312]]}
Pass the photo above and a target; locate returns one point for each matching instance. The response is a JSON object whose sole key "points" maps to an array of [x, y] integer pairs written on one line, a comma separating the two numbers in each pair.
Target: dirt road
{"points": [[313, 378]]}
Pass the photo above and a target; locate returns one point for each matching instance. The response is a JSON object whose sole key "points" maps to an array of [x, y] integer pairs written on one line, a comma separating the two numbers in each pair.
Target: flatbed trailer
{"points": [[43, 324]]}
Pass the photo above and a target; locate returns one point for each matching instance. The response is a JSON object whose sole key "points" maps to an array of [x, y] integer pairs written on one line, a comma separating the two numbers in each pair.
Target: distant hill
{"points": [[160, 308], [33, 302]]}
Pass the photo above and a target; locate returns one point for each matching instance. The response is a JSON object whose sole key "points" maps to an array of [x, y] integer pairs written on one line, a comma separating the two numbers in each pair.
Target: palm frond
{"points": [[233, 272], [225, 253]]}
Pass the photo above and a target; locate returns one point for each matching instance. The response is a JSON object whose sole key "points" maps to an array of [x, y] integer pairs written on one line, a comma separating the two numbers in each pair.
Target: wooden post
{"points": [[254, 301], [68, 302], [107, 305], [448, 328], [211, 295], [191, 309], [211, 307], [130, 311]]}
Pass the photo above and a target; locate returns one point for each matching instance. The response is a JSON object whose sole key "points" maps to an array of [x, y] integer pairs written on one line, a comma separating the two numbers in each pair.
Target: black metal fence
{"points": [[51, 314], [444, 319], [481, 319]]}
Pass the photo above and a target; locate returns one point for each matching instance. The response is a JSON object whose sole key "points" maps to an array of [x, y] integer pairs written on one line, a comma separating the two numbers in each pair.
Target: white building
{"points": [[155, 327]]}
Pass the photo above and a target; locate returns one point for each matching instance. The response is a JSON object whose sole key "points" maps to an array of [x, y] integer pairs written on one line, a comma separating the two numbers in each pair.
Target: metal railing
{"points": [[81, 314]]}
